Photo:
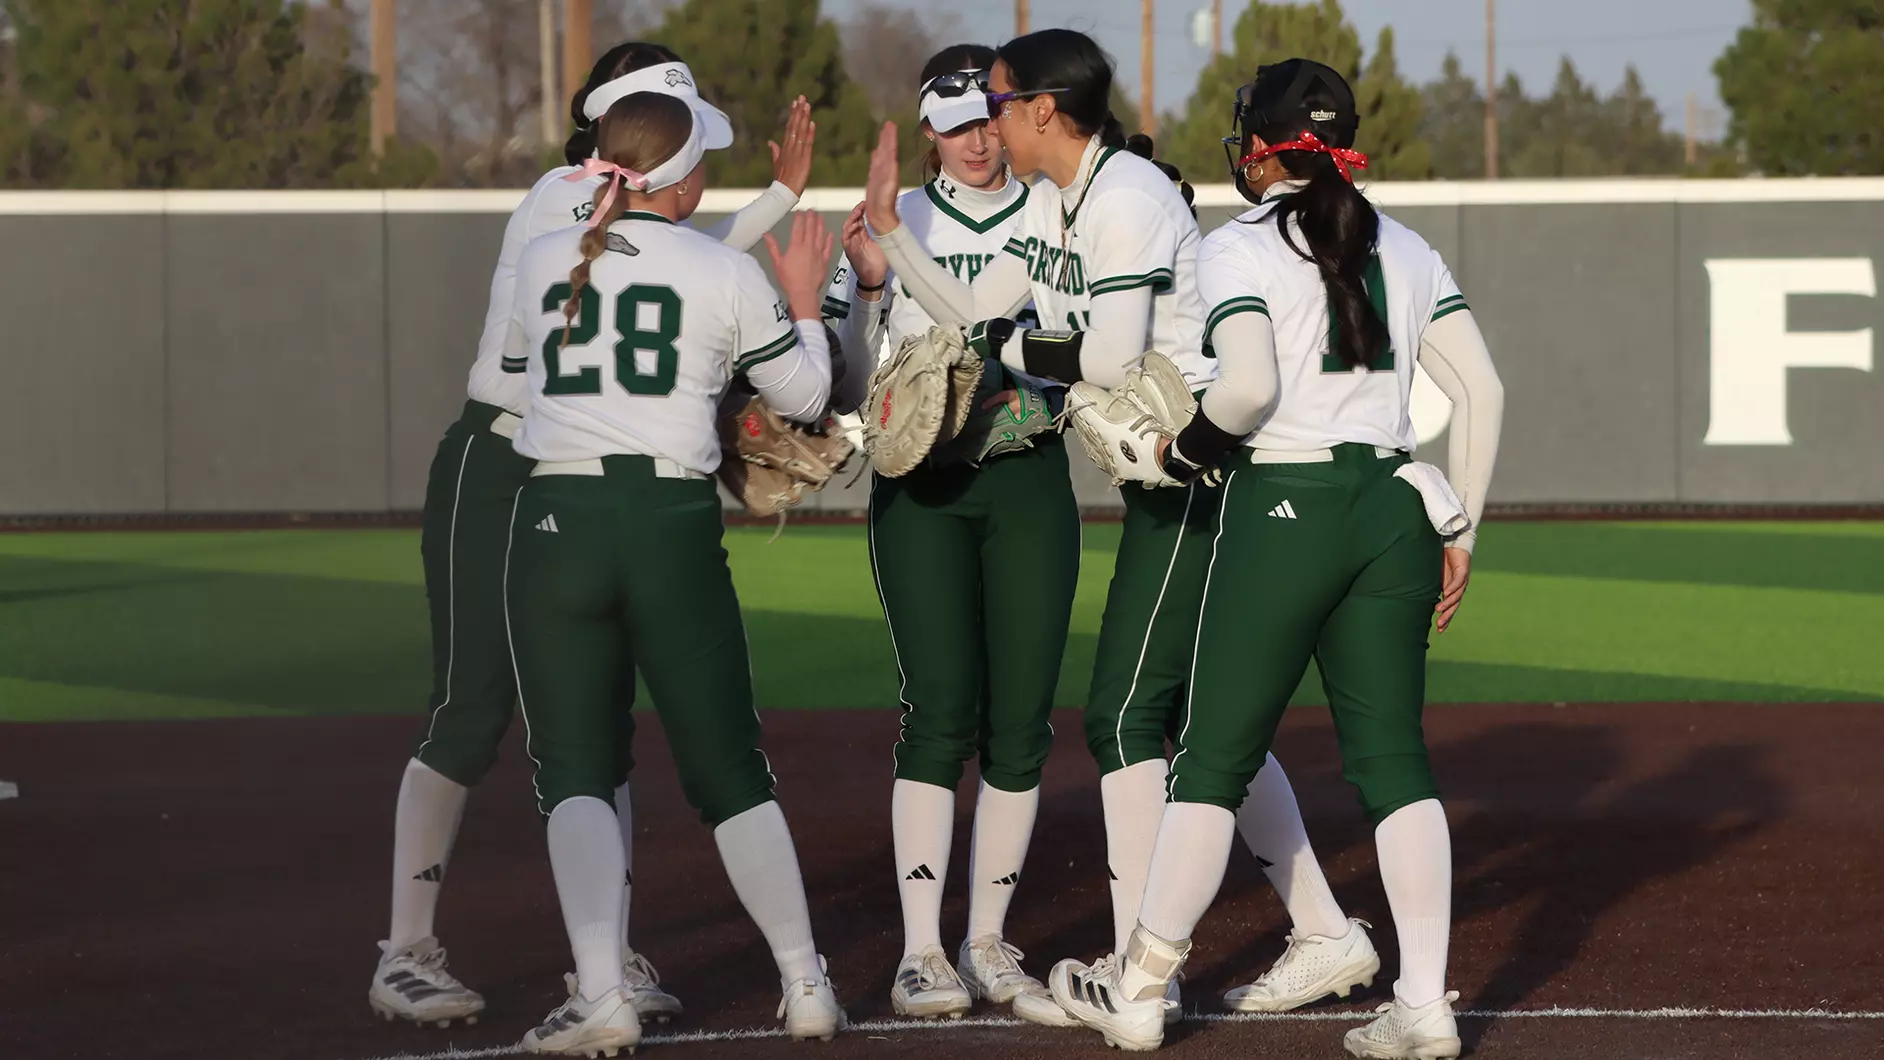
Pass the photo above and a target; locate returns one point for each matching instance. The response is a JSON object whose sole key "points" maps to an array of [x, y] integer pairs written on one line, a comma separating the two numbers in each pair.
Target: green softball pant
{"points": [[1149, 631], [976, 569], [473, 485], [1332, 561], [626, 569]]}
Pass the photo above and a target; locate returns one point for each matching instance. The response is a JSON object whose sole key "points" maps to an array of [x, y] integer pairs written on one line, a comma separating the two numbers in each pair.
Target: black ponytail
{"points": [[619, 61], [1341, 229], [1112, 132]]}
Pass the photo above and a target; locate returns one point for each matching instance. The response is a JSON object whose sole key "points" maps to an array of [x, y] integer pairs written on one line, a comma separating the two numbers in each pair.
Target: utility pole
{"points": [[1020, 18], [384, 44], [546, 68], [1693, 153], [1216, 28], [578, 16], [1491, 89], [1147, 112]]}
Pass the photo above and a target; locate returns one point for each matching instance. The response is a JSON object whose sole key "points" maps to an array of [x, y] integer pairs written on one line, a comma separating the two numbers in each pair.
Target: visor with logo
{"points": [[668, 79]]}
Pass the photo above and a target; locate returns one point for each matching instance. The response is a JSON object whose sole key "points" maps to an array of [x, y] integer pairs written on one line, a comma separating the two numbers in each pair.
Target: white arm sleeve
{"points": [[1453, 352], [1247, 377], [798, 383], [744, 229], [861, 335], [1000, 290]]}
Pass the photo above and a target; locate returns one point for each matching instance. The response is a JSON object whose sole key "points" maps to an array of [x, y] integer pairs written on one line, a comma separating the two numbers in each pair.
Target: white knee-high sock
{"points": [[1415, 850], [1133, 799], [425, 824], [1004, 824], [922, 826], [585, 855], [756, 847], [625, 817], [1271, 825], [1187, 866]]}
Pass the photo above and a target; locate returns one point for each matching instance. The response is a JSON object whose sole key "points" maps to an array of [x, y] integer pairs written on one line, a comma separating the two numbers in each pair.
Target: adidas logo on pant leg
{"points": [[920, 872], [549, 524], [1285, 510], [1008, 880], [432, 875]]}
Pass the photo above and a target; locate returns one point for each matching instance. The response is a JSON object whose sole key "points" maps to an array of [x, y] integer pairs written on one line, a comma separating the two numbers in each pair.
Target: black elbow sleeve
{"points": [[1051, 354], [1203, 443]]}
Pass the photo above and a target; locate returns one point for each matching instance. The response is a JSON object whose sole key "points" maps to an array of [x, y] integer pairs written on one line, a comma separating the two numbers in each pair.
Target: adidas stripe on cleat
{"points": [[413, 983]]}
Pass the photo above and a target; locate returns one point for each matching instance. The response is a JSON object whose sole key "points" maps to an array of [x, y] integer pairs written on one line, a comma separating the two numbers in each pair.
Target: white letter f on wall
{"points": [[1750, 350]]}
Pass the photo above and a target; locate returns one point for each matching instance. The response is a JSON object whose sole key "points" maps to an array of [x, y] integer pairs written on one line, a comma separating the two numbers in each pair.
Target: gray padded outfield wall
{"points": [[1661, 341]]}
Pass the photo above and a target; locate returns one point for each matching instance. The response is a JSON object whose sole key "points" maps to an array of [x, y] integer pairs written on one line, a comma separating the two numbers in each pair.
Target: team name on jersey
{"points": [[1050, 266], [964, 267]]}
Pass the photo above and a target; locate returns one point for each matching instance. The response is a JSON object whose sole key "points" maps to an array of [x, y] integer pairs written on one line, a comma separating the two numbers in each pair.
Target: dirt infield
{"points": [[213, 889]]}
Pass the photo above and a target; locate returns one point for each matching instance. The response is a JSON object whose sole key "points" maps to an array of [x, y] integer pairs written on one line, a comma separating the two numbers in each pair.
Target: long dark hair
{"points": [[947, 61], [1073, 62], [1341, 228], [619, 61]]}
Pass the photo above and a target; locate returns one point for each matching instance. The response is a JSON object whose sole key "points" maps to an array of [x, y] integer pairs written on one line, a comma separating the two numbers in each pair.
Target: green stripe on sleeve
{"points": [[1016, 248], [835, 309], [767, 352], [1230, 308], [515, 365], [1447, 308], [1159, 280]]}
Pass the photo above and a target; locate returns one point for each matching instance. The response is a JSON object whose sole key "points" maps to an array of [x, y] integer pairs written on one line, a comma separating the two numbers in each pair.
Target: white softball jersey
{"points": [[1121, 226], [668, 317], [961, 228], [554, 203], [1246, 267]]}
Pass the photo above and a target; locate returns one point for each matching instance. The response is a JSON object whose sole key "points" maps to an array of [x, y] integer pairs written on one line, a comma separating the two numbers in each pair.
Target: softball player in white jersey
{"points": [[1329, 544], [1106, 249], [474, 478], [976, 564], [632, 328]]}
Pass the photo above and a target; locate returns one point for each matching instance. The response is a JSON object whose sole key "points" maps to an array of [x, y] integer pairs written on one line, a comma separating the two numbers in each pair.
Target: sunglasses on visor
{"points": [[960, 83]]}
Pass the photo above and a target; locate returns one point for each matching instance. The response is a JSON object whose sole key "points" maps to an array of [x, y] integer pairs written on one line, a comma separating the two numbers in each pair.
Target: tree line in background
{"points": [[273, 93]]}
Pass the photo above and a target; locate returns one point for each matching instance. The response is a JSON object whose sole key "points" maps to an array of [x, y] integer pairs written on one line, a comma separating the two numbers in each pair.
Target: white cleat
{"points": [[810, 1009], [652, 1004], [927, 986], [1402, 1032], [413, 983], [1311, 968], [990, 968], [604, 1027], [1047, 1012], [1091, 995]]}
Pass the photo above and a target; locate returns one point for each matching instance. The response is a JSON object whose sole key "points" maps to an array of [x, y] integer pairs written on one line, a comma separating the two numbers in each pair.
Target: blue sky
{"points": [[1672, 42]]}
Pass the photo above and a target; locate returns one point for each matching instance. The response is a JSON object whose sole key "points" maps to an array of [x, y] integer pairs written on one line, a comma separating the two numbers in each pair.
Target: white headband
{"points": [[712, 126]]}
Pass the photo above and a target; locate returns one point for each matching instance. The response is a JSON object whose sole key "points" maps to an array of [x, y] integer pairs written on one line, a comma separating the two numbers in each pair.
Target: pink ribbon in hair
{"points": [[617, 176], [1343, 157]]}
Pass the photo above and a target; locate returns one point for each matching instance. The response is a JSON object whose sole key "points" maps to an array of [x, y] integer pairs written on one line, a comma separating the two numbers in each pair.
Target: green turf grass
{"points": [[148, 625]]}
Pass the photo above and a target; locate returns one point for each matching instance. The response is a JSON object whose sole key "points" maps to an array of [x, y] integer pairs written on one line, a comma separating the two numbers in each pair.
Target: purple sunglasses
{"points": [[996, 100]]}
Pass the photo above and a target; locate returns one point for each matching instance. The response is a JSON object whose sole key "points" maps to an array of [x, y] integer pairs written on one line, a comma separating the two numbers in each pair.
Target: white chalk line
{"points": [[899, 1026]]}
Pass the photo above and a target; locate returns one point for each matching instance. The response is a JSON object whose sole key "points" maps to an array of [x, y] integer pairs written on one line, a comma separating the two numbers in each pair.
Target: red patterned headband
{"points": [[1343, 157]]}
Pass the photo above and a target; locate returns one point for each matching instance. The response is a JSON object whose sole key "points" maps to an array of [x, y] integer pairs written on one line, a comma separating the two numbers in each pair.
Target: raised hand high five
{"points": [[881, 187], [791, 164]]}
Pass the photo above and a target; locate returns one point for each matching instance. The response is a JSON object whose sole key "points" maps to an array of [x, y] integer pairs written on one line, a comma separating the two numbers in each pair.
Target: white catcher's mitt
{"points": [[1120, 428], [919, 399]]}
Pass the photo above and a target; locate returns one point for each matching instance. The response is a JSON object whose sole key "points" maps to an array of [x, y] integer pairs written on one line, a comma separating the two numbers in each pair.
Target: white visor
{"points": [[712, 127], [682, 162], [953, 112]]}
